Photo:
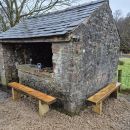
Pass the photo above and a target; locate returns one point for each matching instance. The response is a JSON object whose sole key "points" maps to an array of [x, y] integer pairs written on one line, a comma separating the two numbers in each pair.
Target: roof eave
{"points": [[47, 39]]}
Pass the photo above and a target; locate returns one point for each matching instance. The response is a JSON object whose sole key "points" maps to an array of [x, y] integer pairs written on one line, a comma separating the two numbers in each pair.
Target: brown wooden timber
{"points": [[99, 97], [97, 108], [41, 96], [102, 94], [52, 39], [15, 94]]}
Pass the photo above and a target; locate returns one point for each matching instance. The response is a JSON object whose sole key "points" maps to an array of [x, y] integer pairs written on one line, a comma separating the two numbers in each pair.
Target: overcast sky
{"points": [[123, 5]]}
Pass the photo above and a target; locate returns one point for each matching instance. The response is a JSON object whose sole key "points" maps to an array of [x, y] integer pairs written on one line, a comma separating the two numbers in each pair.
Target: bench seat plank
{"points": [[41, 96], [102, 94]]}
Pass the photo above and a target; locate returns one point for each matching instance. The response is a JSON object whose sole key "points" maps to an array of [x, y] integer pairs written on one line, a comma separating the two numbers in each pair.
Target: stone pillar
{"points": [[3, 80], [66, 60], [7, 64]]}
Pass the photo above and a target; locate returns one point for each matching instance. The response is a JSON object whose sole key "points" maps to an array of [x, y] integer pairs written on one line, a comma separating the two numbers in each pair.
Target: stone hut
{"points": [[70, 54]]}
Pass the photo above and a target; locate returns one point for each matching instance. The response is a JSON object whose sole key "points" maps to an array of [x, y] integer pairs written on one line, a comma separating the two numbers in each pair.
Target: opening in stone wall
{"points": [[37, 53], [41, 53]]}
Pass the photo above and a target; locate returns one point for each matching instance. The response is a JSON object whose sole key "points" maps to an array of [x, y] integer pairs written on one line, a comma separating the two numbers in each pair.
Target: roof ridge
{"points": [[70, 8]]}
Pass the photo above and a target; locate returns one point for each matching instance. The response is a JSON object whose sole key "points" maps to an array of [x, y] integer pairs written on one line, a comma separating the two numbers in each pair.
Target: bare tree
{"points": [[117, 14], [123, 25], [125, 34], [12, 11]]}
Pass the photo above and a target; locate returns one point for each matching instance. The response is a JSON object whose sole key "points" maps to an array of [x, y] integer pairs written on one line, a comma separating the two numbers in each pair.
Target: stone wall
{"points": [[2, 70], [63, 60], [95, 56], [9, 63], [82, 68], [41, 81], [12, 54], [59, 82]]}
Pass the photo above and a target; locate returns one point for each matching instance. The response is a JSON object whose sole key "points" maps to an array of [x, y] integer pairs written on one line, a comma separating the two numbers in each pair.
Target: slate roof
{"points": [[52, 24]]}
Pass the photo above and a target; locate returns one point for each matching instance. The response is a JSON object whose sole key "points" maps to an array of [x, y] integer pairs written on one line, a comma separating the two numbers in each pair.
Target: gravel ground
{"points": [[23, 115], [126, 96]]}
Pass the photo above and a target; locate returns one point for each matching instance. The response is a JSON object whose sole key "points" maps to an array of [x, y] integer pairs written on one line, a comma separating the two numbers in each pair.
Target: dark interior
{"points": [[41, 53]]}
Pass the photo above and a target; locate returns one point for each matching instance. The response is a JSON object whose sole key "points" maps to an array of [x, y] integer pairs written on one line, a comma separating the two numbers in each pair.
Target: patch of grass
{"points": [[125, 60], [124, 65]]}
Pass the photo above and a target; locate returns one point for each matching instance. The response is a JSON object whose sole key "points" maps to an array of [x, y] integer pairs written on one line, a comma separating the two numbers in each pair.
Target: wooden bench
{"points": [[44, 99], [99, 97]]}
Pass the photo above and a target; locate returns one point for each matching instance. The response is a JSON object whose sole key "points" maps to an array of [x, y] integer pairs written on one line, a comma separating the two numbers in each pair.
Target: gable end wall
{"points": [[95, 57]]}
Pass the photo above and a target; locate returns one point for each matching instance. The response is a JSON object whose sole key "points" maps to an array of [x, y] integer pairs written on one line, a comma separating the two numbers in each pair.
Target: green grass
{"points": [[125, 67], [126, 61]]}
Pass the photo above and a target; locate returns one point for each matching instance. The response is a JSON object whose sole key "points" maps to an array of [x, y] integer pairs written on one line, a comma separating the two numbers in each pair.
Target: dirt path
{"points": [[23, 115]]}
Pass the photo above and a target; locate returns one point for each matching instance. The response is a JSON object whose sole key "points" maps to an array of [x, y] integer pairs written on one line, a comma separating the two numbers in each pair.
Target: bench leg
{"points": [[15, 94], [97, 108], [114, 94], [43, 108]]}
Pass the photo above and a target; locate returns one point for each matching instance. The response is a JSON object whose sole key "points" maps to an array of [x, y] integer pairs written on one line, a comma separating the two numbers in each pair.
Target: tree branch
{"points": [[15, 10]]}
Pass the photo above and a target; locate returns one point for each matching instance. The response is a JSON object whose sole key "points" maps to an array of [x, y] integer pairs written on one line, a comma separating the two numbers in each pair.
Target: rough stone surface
{"points": [[82, 68], [10, 56], [95, 57], [2, 71]]}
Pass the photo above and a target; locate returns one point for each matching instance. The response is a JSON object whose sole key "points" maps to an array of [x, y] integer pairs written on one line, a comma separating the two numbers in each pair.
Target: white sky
{"points": [[123, 5]]}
